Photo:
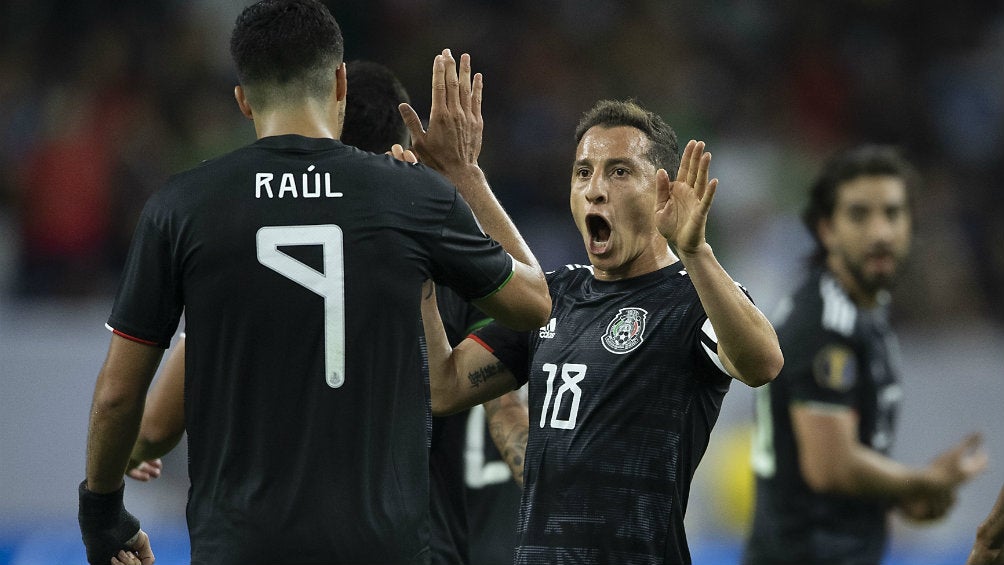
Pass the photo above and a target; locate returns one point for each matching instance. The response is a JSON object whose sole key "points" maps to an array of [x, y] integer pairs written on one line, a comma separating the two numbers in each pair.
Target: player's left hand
{"points": [[683, 204]]}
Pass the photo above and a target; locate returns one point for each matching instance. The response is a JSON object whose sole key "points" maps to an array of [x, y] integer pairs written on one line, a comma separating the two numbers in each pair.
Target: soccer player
{"points": [[824, 480], [372, 123], [627, 377], [298, 263]]}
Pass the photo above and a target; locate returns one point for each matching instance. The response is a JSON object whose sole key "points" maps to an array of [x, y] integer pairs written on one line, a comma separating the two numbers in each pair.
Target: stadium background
{"points": [[101, 101]]}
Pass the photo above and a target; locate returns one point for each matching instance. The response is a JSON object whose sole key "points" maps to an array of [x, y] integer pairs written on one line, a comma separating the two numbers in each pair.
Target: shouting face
{"points": [[613, 201]]}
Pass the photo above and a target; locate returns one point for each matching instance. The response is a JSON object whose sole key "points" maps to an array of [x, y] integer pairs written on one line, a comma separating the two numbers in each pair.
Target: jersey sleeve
{"points": [[822, 367], [466, 259], [510, 347], [148, 304], [706, 341]]}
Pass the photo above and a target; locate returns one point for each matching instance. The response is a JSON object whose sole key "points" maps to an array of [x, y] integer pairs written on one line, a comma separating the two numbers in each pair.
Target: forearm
{"points": [[117, 410], [146, 449], [746, 339], [473, 186], [509, 426], [866, 473], [111, 435]]}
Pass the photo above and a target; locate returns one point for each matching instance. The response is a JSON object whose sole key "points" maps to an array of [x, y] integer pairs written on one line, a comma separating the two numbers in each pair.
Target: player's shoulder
{"points": [[569, 274], [816, 316]]}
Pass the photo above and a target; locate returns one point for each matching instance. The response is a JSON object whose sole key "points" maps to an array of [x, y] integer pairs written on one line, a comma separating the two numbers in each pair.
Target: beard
{"points": [[874, 282]]}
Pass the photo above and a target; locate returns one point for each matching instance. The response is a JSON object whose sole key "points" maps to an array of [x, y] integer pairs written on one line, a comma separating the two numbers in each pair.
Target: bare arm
{"points": [[833, 460], [117, 410], [163, 421], [747, 343], [452, 146], [988, 549], [460, 377], [509, 425]]}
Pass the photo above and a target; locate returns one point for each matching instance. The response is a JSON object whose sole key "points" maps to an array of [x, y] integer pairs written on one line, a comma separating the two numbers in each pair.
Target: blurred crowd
{"points": [[101, 101]]}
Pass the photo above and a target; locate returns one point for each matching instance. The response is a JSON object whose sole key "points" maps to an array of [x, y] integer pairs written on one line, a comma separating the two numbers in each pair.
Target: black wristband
{"points": [[105, 525]]}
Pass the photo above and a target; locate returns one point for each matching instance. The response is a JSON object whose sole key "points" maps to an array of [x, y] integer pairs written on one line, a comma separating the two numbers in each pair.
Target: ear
{"points": [[242, 102], [341, 83], [825, 230]]}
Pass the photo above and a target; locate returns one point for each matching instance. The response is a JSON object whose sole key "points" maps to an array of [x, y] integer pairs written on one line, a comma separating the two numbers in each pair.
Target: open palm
{"points": [[683, 204]]}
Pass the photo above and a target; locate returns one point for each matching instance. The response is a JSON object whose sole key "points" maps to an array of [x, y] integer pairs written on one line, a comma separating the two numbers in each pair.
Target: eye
{"points": [[857, 214], [619, 172], [582, 173]]}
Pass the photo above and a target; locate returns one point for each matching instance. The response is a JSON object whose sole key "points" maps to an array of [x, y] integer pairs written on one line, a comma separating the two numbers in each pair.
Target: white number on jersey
{"points": [[330, 284], [571, 375], [764, 459], [477, 472]]}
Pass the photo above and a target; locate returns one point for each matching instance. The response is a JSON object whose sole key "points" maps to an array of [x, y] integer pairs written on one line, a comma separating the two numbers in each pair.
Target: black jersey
{"points": [[450, 530], [835, 354], [623, 393], [298, 263]]}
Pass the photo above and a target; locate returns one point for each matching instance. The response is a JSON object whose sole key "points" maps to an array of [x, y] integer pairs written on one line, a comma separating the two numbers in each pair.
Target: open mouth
{"points": [[599, 233]]}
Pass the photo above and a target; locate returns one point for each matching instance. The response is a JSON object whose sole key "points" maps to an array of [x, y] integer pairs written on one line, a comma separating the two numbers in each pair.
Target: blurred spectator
{"points": [[109, 86]]}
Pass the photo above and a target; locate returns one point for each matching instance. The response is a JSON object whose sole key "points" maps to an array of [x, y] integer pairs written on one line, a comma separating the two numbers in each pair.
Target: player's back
{"points": [[299, 263]]}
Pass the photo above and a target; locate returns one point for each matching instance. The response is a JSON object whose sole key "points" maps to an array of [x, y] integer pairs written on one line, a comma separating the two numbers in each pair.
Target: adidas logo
{"points": [[547, 332]]}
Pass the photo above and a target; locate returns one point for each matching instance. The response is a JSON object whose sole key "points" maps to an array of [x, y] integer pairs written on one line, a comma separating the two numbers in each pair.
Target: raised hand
{"points": [[453, 140], [683, 204]]}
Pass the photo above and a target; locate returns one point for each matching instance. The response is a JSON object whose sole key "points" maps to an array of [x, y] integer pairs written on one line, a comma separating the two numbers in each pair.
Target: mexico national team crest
{"points": [[626, 331]]}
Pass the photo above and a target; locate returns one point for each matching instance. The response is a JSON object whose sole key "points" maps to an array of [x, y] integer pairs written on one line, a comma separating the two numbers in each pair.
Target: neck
{"points": [[311, 119], [862, 297], [657, 256]]}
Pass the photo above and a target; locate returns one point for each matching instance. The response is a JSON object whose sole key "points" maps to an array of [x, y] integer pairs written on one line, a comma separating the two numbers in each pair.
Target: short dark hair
{"points": [[664, 150], [372, 121], [286, 50], [860, 161]]}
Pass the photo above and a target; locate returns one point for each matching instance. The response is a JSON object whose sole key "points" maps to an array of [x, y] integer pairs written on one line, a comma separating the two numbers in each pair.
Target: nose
{"points": [[881, 229], [596, 192]]}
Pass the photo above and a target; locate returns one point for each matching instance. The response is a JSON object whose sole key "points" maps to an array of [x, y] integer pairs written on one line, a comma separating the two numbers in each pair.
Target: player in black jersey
{"points": [[298, 262], [627, 377], [825, 481], [372, 123]]}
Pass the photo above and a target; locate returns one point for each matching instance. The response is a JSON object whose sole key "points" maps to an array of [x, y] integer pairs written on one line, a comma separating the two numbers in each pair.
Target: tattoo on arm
{"points": [[479, 376], [510, 431]]}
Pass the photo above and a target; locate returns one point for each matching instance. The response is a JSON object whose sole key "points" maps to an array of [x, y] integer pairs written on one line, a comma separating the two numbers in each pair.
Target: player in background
{"points": [[627, 377], [298, 261], [825, 481]]}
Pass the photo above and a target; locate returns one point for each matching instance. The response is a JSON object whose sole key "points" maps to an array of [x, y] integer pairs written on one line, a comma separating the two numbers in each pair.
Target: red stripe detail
{"points": [[482, 343], [132, 338]]}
